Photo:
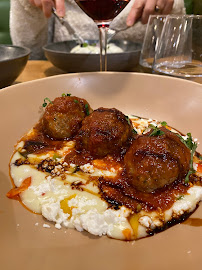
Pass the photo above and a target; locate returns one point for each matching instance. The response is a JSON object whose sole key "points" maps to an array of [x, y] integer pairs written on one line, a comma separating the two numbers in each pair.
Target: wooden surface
{"points": [[37, 69]]}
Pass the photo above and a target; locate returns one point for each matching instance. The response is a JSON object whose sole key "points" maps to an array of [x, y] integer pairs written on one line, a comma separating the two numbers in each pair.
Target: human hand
{"points": [[47, 5], [142, 9]]}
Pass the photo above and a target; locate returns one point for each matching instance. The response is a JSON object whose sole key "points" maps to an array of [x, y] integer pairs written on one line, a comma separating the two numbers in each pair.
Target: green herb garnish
{"points": [[76, 101], [128, 120], [66, 95], [200, 157], [55, 156], [85, 44], [87, 109], [192, 147], [156, 131], [164, 123], [180, 197], [45, 103], [134, 131]]}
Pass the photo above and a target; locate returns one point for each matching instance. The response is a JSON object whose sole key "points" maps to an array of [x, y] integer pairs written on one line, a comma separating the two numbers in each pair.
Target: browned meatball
{"points": [[62, 119], [155, 161], [104, 132]]}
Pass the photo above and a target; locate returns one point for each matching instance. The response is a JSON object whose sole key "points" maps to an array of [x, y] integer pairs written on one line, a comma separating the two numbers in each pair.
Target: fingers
{"points": [[60, 7], [168, 7], [135, 12], [144, 8], [36, 3], [148, 10], [160, 4], [47, 5]]}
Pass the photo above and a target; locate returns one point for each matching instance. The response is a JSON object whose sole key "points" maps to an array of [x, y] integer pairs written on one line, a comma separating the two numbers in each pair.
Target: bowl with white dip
{"points": [[122, 55]]}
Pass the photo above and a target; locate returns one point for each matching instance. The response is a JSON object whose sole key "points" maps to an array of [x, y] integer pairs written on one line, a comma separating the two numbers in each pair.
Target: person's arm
{"points": [[28, 27]]}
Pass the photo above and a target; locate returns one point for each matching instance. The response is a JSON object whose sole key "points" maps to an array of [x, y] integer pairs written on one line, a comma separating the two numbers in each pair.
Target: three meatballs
{"points": [[104, 132], [155, 161], [63, 117], [151, 162]]}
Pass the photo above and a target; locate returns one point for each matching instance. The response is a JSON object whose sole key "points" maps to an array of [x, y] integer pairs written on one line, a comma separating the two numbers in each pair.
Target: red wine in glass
{"points": [[102, 12]]}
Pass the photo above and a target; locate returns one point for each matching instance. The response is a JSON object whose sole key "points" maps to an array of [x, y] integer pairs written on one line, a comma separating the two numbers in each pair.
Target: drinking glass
{"points": [[150, 42], [102, 12], [179, 52]]}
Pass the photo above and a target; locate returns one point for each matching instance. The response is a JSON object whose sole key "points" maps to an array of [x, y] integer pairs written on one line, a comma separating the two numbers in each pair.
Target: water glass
{"points": [[179, 51], [151, 39]]}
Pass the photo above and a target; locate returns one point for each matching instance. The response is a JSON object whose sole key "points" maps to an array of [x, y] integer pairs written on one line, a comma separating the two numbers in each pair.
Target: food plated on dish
{"points": [[95, 49], [126, 177], [62, 55]]}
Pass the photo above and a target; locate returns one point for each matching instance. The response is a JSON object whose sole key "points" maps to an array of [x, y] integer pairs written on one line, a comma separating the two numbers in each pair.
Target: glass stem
{"points": [[103, 48]]}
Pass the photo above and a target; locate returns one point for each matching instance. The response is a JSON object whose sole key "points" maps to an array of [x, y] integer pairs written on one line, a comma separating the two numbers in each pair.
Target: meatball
{"points": [[62, 118], [155, 161], [104, 132]]}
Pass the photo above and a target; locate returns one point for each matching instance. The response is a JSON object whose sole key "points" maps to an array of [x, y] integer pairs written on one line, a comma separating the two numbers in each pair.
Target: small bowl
{"points": [[12, 62], [59, 55]]}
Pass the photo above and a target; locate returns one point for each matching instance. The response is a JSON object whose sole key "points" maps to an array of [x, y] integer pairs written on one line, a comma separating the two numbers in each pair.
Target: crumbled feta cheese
{"points": [[46, 225], [58, 226], [147, 222], [53, 212], [88, 168], [80, 202]]}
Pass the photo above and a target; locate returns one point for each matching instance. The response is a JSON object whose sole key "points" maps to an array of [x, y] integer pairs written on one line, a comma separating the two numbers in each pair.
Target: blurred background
{"points": [[4, 22], [192, 7]]}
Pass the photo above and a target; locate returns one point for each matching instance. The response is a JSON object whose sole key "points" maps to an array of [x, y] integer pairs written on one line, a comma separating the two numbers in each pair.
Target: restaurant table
{"points": [[37, 69]]}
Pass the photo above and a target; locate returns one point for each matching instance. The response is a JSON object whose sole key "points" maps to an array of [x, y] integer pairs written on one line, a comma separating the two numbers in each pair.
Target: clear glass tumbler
{"points": [[179, 51], [150, 42]]}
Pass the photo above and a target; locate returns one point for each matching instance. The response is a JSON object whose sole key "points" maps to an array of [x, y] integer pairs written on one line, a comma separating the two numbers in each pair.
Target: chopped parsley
{"points": [[85, 44], [164, 123], [192, 147], [87, 109], [55, 156], [180, 197], [156, 131], [45, 103], [66, 95], [128, 120], [76, 101]]}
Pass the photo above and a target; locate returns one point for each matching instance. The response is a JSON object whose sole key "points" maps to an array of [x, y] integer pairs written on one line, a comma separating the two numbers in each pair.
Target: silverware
{"points": [[112, 32], [70, 29]]}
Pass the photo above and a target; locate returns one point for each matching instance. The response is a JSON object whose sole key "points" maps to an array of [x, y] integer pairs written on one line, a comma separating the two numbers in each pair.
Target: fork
{"points": [[70, 29], [112, 32]]}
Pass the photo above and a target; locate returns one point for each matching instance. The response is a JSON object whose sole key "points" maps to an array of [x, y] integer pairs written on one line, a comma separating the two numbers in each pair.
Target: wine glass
{"points": [[102, 12], [179, 51]]}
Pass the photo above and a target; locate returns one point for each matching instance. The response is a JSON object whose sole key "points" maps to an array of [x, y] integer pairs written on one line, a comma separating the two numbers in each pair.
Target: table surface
{"points": [[37, 69]]}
